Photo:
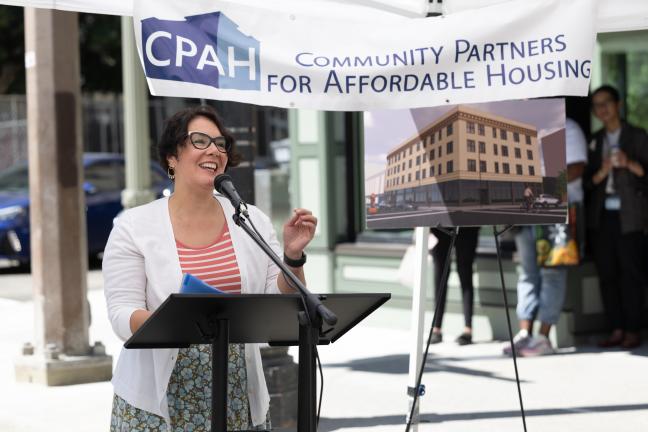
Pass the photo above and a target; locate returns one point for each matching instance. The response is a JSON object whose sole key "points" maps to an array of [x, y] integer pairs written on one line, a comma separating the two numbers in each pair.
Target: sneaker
{"points": [[537, 346], [520, 340]]}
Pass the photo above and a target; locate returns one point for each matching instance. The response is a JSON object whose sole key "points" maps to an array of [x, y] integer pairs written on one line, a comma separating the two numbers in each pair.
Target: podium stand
{"points": [[221, 319]]}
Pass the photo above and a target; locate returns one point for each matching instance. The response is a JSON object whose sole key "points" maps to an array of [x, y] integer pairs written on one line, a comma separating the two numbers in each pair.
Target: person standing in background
{"points": [[465, 251], [617, 212], [541, 291]]}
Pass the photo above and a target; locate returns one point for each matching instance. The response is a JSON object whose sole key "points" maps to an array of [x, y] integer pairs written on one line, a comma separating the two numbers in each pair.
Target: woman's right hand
{"points": [[138, 318]]}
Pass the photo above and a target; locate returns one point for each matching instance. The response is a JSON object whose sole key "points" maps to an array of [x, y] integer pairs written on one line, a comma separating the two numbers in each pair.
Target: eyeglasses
{"points": [[201, 141]]}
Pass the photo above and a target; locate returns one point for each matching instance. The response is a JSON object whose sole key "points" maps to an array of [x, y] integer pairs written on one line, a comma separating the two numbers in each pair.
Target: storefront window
{"points": [[628, 72]]}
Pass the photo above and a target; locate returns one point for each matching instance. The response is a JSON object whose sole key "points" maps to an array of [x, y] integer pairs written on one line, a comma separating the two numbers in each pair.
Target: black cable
{"points": [[444, 286], [508, 320], [319, 406], [293, 286]]}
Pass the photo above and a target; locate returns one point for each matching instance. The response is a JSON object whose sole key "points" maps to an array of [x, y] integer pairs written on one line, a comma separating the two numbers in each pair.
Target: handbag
{"points": [[562, 244]]}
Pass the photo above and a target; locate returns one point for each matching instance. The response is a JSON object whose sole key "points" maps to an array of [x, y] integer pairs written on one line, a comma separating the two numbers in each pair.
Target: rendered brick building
{"points": [[465, 157]]}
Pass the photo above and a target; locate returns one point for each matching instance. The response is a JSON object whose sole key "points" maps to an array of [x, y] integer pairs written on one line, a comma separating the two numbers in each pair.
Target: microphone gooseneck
{"points": [[313, 307]]}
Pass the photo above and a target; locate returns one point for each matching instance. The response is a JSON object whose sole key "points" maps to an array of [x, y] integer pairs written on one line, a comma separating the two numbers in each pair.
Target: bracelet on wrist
{"points": [[295, 263]]}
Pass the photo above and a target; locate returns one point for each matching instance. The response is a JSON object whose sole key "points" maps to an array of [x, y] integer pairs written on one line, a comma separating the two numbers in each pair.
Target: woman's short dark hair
{"points": [[609, 90], [175, 131]]}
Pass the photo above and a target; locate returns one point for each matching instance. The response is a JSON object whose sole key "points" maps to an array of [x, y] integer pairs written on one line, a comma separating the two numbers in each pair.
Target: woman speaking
{"points": [[149, 249]]}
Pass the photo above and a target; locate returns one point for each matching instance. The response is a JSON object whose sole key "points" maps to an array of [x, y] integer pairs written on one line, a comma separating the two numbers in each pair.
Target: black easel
{"points": [[508, 318], [441, 300], [442, 293]]}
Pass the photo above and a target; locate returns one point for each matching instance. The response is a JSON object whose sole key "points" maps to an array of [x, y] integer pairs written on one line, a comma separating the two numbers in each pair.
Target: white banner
{"points": [[297, 54]]}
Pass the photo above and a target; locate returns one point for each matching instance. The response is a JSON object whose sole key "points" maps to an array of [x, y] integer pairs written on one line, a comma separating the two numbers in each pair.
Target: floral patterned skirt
{"points": [[189, 397]]}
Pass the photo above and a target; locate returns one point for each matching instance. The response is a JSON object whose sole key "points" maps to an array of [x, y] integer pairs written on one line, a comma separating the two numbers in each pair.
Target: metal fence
{"points": [[103, 125], [13, 130]]}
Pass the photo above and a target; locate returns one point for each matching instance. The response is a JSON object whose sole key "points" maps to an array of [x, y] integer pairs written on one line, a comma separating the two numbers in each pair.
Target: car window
{"points": [[14, 179], [106, 176]]}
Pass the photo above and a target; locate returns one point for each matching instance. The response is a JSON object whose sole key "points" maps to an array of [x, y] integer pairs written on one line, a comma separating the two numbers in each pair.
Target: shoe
{"points": [[520, 340], [464, 339], [630, 341], [537, 346], [436, 338], [615, 339]]}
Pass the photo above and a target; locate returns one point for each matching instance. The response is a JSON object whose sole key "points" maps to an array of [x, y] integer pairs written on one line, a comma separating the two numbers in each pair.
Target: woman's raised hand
{"points": [[298, 231]]}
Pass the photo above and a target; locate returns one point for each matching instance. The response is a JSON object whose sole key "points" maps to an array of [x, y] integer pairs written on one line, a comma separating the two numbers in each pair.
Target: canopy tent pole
{"points": [[136, 123], [417, 327], [61, 354]]}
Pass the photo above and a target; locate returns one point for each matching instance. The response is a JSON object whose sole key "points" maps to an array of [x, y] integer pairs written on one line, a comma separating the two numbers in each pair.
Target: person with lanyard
{"points": [[192, 231], [617, 215]]}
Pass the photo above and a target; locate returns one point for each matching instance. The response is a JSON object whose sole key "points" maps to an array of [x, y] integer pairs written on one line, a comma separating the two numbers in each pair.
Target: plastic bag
{"points": [[560, 245]]}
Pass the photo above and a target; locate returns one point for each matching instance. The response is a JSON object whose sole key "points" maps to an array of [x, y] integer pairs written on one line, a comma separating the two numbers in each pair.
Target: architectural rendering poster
{"points": [[494, 163]]}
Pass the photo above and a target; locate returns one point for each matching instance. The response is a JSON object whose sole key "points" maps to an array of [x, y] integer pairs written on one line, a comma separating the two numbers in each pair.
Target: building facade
{"points": [[465, 157]]}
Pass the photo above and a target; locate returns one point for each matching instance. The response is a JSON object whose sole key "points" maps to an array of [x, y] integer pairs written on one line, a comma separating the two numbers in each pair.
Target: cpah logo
{"points": [[204, 49]]}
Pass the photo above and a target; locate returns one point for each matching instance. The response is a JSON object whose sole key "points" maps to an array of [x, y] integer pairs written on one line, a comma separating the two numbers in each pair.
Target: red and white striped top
{"points": [[215, 265]]}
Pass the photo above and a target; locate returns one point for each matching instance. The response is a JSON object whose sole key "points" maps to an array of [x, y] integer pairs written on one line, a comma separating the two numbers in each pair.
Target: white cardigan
{"points": [[141, 268]]}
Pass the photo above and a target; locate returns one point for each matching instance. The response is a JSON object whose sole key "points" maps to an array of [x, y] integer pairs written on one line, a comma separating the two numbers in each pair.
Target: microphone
{"points": [[223, 185]]}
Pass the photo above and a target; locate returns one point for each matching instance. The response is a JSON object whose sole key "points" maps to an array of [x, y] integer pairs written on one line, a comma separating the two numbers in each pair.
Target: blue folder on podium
{"points": [[192, 285]]}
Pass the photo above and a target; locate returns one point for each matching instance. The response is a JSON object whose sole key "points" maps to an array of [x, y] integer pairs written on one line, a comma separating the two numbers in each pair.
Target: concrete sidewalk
{"points": [[469, 388]]}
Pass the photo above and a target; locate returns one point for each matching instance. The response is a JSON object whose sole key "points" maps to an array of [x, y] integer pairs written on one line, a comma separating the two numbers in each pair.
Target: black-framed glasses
{"points": [[201, 141]]}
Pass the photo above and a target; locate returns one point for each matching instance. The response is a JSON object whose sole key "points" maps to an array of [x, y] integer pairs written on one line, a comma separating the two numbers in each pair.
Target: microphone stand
{"points": [[310, 326]]}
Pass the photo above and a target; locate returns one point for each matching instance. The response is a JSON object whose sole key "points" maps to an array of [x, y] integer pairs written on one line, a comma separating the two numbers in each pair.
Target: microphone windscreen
{"points": [[218, 181]]}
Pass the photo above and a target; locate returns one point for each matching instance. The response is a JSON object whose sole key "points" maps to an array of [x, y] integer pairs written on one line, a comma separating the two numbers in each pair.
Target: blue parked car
{"points": [[104, 181]]}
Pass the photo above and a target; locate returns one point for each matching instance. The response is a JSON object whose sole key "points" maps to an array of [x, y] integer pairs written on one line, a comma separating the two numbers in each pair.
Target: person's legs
{"points": [[632, 276], [605, 245], [465, 254], [440, 255], [552, 297], [528, 286]]}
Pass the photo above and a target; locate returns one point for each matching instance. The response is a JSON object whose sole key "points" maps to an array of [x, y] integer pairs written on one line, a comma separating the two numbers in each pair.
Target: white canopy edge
{"points": [[613, 15], [113, 7], [407, 8]]}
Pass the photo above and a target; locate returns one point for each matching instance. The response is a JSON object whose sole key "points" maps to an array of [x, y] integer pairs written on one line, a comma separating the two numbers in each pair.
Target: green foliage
{"points": [[637, 96], [100, 52], [100, 41], [12, 50], [628, 72]]}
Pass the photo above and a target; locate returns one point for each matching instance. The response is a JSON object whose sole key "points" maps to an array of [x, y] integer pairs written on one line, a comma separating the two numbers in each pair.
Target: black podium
{"points": [[220, 319]]}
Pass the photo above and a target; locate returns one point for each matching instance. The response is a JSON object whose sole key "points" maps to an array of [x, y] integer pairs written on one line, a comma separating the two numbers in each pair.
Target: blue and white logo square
{"points": [[203, 49]]}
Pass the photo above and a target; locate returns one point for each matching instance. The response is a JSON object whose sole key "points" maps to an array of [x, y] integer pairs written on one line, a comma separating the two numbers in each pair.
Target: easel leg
{"points": [[439, 302], [508, 320]]}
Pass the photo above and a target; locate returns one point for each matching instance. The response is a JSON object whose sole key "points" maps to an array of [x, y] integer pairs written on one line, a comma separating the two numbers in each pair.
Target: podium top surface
{"points": [[184, 319]]}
